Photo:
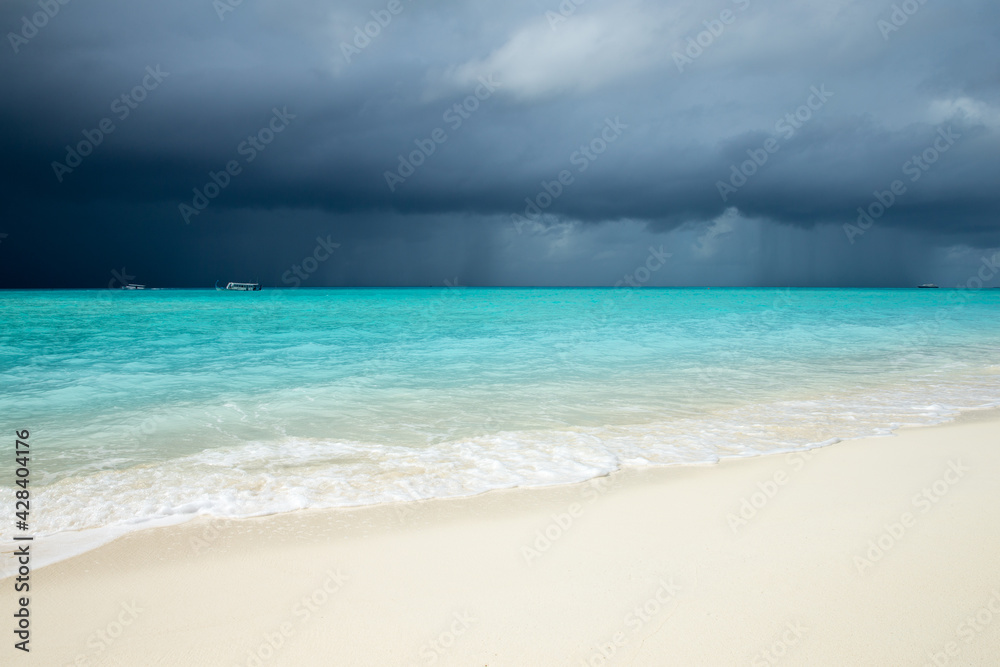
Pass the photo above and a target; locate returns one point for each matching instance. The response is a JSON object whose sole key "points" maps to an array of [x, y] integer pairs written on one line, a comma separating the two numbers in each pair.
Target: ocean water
{"points": [[155, 406]]}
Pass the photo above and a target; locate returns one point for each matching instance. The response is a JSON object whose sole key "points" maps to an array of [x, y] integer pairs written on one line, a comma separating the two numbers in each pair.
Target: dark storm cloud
{"points": [[548, 84]]}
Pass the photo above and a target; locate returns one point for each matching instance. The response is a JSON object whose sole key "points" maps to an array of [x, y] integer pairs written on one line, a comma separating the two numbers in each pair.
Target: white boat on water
{"points": [[927, 286], [243, 287], [133, 286]]}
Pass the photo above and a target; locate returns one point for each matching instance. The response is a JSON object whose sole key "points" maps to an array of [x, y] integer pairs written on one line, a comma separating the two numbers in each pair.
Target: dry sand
{"points": [[645, 567]]}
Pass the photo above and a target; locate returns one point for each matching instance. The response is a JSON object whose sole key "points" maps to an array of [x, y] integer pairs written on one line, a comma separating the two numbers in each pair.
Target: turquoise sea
{"points": [[157, 405]]}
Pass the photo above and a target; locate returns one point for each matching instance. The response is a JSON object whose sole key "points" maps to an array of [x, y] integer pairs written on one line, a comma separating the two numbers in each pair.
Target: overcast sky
{"points": [[412, 142]]}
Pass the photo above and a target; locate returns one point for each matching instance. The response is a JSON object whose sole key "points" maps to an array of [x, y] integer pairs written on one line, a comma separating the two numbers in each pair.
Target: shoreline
{"points": [[61, 546], [699, 564]]}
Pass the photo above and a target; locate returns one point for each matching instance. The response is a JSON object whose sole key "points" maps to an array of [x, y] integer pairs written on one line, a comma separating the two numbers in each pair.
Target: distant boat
{"points": [[928, 286], [242, 287], [133, 286]]}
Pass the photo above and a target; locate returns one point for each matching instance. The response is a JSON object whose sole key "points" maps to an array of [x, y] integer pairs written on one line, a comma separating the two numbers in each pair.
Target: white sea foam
{"points": [[290, 473]]}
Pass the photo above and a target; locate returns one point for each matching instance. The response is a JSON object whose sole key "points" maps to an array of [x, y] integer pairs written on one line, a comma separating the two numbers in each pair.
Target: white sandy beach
{"points": [[882, 551]]}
